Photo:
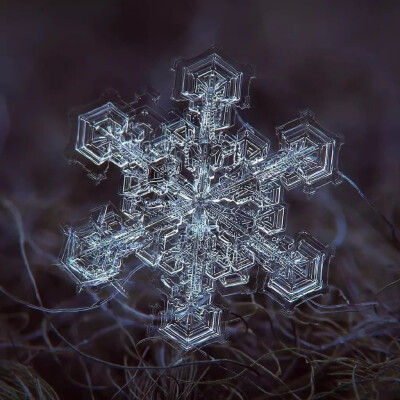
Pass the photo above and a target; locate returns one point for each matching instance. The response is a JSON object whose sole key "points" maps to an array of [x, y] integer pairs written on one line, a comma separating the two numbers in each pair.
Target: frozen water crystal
{"points": [[202, 198]]}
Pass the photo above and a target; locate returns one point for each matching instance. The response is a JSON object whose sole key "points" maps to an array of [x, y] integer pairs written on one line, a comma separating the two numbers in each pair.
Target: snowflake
{"points": [[202, 198]]}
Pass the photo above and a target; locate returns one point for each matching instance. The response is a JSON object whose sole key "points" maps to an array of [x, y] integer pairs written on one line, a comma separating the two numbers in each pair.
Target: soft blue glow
{"points": [[202, 198]]}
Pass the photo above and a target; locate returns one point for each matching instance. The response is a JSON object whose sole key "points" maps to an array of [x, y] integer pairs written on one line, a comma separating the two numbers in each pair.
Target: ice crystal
{"points": [[202, 198]]}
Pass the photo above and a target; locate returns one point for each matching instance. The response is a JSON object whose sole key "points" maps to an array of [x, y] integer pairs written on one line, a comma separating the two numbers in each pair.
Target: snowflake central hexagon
{"points": [[202, 198]]}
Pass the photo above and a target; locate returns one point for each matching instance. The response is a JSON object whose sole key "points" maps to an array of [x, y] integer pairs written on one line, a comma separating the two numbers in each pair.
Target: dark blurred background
{"points": [[339, 58]]}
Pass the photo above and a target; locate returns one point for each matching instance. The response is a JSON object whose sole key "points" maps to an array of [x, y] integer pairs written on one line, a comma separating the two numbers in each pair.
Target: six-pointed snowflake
{"points": [[202, 197]]}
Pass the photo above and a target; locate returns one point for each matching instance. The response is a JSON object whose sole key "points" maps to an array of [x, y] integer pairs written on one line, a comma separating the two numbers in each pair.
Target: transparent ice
{"points": [[202, 198]]}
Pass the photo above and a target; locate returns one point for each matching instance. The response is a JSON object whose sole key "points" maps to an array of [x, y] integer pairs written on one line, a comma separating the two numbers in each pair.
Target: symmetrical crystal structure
{"points": [[202, 198]]}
